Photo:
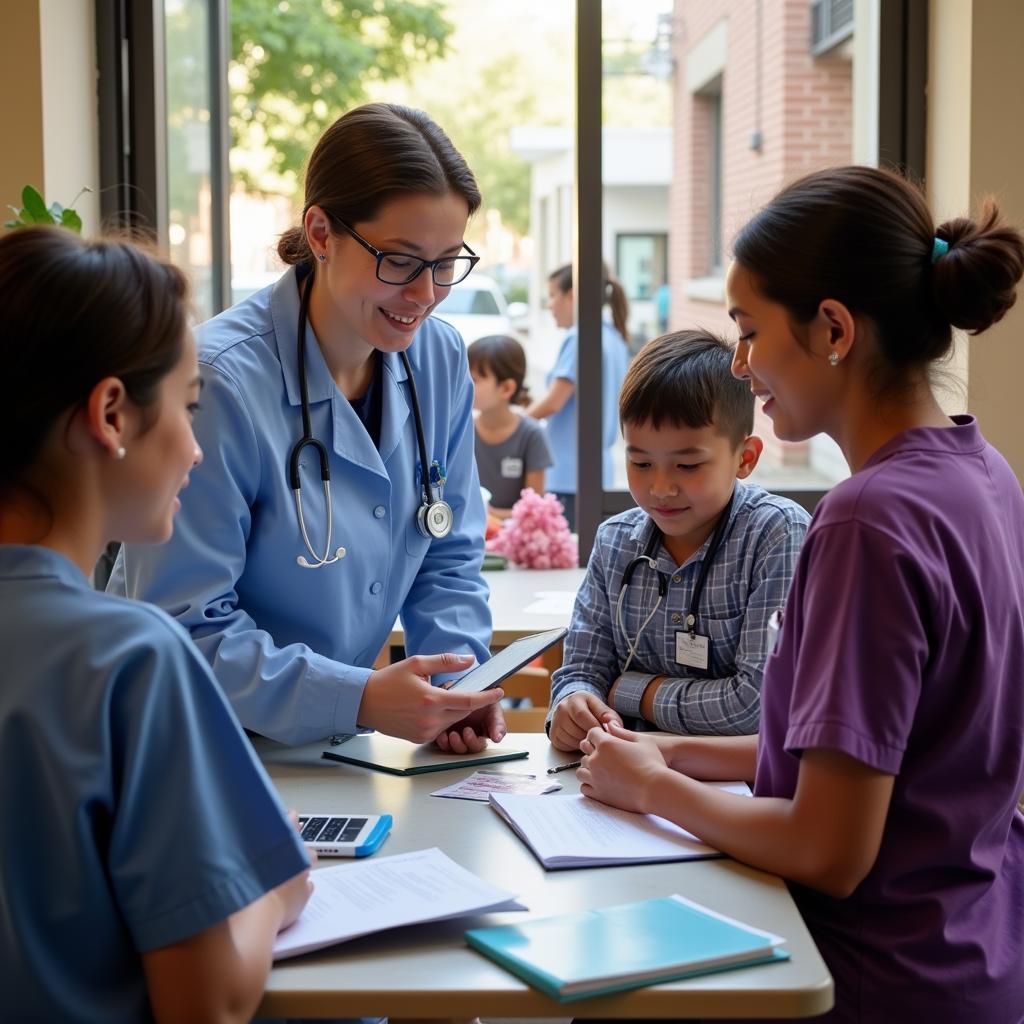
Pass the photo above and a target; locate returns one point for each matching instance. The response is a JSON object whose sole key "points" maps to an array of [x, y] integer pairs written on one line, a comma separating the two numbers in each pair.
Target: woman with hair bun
{"points": [[339, 489], [145, 862], [890, 759]]}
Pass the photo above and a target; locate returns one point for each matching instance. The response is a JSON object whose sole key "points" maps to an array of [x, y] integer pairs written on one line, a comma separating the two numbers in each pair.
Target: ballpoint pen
{"points": [[564, 767]]}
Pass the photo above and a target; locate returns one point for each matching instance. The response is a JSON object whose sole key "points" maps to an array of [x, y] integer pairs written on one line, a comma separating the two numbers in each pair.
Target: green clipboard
{"points": [[400, 757]]}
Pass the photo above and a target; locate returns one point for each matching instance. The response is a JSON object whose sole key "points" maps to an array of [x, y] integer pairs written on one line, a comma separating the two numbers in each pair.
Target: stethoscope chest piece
{"points": [[435, 520]]}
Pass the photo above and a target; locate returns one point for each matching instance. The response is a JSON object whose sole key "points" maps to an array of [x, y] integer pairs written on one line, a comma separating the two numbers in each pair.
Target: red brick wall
{"points": [[805, 121]]}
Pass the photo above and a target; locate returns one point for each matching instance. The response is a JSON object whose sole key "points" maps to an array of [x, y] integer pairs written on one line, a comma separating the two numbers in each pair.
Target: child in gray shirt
{"points": [[511, 449]]}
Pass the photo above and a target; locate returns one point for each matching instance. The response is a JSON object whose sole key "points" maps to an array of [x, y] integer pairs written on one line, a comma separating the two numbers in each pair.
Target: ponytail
{"points": [[612, 294], [615, 297]]}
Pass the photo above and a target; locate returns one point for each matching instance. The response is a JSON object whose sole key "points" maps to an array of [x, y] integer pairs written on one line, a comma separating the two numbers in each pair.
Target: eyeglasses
{"points": [[402, 267]]}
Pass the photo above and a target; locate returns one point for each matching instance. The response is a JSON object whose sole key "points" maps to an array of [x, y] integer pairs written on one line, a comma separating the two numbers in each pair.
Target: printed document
{"points": [[480, 786], [370, 896], [575, 831]]}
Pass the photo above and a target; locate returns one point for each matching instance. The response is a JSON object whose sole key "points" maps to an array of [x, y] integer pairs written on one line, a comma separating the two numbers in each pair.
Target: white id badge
{"points": [[511, 467], [692, 649]]}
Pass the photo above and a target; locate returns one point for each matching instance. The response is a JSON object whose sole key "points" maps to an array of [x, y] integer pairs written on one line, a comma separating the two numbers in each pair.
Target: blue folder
{"points": [[594, 952]]}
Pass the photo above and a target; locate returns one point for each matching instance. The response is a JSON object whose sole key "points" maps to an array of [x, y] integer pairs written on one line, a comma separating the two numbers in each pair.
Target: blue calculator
{"points": [[344, 835]]}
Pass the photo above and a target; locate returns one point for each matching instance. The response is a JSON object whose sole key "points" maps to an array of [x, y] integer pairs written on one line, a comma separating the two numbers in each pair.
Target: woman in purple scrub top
{"points": [[890, 759]]}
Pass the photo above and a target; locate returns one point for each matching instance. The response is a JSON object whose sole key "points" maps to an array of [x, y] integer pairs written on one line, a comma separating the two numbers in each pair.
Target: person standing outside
{"points": [[558, 406]]}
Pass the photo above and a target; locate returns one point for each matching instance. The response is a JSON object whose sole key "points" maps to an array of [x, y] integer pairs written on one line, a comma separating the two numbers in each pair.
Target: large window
{"points": [[634, 134]]}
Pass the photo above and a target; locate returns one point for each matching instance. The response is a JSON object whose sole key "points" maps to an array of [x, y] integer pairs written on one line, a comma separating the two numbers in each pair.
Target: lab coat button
{"points": [[377, 587], [380, 511]]}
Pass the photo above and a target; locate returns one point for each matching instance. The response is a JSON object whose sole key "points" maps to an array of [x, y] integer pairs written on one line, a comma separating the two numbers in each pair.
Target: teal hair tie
{"points": [[939, 249]]}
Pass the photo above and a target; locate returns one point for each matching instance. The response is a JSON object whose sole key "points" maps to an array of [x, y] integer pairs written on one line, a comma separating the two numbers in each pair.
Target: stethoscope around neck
{"points": [[649, 557], [434, 517]]}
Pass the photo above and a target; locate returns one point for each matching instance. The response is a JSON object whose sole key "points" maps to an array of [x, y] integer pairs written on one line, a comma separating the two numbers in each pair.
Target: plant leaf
{"points": [[35, 206], [71, 220]]}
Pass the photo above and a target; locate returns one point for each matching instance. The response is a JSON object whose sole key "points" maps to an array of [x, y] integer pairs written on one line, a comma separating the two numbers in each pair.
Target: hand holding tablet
{"points": [[507, 661]]}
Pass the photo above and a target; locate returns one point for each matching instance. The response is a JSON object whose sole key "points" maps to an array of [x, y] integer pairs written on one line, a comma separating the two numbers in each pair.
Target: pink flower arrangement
{"points": [[536, 535]]}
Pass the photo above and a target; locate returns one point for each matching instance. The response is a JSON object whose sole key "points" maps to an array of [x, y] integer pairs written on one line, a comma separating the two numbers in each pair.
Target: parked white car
{"points": [[476, 308]]}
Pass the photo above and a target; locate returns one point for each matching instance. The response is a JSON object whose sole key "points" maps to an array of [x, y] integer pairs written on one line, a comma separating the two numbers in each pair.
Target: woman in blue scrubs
{"points": [[145, 862], [291, 613], [558, 406]]}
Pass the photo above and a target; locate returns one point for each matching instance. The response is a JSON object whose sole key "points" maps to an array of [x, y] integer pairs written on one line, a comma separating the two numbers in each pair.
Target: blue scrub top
{"points": [[561, 478], [292, 647], [135, 813]]}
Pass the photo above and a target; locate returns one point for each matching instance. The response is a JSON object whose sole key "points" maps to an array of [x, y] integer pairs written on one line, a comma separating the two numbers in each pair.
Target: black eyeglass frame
{"points": [[380, 256]]}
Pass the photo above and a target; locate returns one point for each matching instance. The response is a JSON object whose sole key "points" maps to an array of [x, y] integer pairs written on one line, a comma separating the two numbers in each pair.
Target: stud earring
{"points": [[833, 359], [322, 257], [120, 453]]}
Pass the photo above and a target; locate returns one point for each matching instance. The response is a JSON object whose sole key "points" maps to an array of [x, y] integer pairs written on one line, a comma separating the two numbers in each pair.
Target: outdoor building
{"points": [[637, 171], [757, 102]]}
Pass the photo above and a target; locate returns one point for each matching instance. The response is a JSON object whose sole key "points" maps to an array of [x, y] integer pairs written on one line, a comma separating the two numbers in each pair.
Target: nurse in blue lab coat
{"points": [[145, 862], [558, 406], [386, 206]]}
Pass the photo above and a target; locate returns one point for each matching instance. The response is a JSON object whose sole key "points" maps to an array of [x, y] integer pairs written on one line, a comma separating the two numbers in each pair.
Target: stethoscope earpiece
{"points": [[306, 564]]}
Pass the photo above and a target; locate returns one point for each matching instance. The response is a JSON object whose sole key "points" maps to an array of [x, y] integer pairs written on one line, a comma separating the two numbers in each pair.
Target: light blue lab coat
{"points": [[292, 647], [561, 425], [136, 814]]}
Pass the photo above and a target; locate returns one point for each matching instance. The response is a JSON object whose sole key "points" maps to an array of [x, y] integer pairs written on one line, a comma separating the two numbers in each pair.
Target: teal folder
{"points": [[594, 952]]}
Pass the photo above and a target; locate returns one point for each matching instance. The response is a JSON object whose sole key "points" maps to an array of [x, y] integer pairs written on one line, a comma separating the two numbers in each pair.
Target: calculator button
{"points": [[312, 829], [350, 834], [302, 822], [331, 830], [357, 822]]}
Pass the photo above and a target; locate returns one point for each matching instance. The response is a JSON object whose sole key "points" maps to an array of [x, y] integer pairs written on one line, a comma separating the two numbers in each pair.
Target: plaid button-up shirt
{"points": [[748, 580]]}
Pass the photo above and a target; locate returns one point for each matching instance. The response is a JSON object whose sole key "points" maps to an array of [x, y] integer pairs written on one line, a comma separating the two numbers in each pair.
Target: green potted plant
{"points": [[35, 211]]}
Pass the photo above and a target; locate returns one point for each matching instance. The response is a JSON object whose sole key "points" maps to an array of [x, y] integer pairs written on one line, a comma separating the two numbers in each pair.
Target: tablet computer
{"points": [[507, 661]]}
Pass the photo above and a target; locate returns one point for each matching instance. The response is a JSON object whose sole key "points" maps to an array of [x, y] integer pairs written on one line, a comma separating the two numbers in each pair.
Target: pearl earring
{"points": [[120, 453], [833, 359]]}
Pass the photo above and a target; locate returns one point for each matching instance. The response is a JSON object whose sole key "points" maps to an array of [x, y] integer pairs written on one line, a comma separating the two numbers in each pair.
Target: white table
{"points": [[513, 591], [427, 971]]}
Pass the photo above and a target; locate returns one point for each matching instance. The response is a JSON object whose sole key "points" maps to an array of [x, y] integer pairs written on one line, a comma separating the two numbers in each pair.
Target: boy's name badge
{"points": [[692, 649], [511, 467]]}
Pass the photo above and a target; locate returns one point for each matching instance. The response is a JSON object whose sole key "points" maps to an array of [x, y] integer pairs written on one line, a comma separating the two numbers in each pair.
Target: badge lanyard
{"points": [[693, 649]]}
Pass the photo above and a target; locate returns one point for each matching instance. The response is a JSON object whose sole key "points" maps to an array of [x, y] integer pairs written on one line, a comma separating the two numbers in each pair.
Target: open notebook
{"points": [[577, 832]]}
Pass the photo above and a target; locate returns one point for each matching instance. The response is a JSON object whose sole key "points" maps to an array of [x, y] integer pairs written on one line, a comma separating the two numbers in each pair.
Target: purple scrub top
{"points": [[902, 646]]}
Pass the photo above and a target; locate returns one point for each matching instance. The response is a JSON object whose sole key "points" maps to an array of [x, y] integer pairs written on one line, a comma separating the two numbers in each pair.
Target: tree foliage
{"points": [[298, 64], [480, 120]]}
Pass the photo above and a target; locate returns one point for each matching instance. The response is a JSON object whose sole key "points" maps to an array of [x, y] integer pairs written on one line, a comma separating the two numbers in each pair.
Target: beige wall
{"points": [[48, 105], [975, 148], [21, 103]]}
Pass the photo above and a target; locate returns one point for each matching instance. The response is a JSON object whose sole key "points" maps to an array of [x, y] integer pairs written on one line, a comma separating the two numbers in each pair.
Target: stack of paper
{"points": [[576, 832], [600, 951], [370, 896]]}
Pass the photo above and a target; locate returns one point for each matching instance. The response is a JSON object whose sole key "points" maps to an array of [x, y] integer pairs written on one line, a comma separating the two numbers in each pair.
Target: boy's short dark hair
{"points": [[685, 379]]}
